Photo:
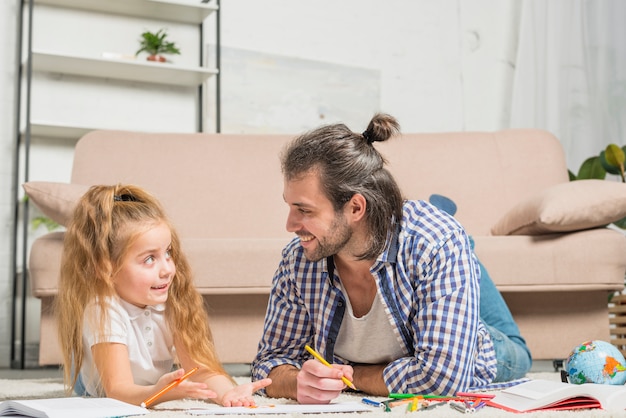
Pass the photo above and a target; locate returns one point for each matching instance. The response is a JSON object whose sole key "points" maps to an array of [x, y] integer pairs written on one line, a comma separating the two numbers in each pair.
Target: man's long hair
{"points": [[347, 163]]}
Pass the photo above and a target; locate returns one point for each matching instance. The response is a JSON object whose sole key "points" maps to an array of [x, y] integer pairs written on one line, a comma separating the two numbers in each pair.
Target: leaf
{"points": [[38, 221], [571, 175], [615, 155], [610, 168], [591, 168]]}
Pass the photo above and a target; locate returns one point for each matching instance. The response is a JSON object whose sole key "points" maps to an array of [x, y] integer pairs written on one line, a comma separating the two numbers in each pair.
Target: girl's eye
{"points": [[168, 253], [149, 259]]}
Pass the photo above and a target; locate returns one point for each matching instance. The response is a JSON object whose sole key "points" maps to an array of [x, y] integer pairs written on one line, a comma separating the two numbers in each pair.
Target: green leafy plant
{"points": [[610, 161], [156, 44], [48, 223], [41, 220]]}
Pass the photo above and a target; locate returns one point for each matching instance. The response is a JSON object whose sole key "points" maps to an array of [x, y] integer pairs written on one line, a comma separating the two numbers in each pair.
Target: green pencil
{"points": [[410, 395]]}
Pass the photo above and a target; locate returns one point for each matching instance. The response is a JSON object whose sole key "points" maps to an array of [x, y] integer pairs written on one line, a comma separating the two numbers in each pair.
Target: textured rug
{"points": [[53, 388]]}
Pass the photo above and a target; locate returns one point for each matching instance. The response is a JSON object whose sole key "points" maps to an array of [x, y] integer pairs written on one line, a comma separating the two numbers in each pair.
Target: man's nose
{"points": [[292, 224]]}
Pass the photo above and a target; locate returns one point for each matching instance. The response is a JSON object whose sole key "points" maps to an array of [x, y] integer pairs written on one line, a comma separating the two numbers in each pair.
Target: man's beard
{"points": [[331, 245]]}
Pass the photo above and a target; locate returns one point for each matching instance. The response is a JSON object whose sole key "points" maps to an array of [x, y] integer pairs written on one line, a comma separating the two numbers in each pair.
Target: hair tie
{"points": [[366, 136], [124, 198]]}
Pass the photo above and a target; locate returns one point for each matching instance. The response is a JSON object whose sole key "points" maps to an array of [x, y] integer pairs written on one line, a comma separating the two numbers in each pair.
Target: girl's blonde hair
{"points": [[105, 222]]}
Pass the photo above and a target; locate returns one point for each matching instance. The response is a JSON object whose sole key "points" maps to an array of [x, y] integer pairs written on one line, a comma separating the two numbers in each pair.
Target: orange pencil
{"points": [[173, 384], [325, 363]]}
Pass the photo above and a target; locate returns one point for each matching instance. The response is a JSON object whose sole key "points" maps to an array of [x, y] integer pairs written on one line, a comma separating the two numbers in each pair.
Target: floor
{"points": [[233, 369]]}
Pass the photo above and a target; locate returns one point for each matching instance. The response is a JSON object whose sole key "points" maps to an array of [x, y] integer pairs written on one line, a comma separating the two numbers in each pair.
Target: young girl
{"points": [[128, 309]]}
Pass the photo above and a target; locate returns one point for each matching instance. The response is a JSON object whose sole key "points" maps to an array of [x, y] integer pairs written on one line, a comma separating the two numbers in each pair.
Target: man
{"points": [[385, 289]]}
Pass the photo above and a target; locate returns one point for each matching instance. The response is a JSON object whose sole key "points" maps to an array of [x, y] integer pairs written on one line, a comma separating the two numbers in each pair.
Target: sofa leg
{"points": [[557, 364]]}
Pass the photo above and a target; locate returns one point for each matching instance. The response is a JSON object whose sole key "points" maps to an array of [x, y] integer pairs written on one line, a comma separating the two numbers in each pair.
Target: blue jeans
{"points": [[513, 356], [79, 387]]}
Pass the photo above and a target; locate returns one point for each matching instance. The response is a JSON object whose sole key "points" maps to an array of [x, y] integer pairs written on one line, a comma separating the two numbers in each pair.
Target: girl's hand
{"points": [[242, 395], [185, 389]]}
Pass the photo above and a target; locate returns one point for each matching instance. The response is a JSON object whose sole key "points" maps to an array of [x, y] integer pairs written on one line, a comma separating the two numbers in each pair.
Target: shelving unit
{"points": [[61, 64]]}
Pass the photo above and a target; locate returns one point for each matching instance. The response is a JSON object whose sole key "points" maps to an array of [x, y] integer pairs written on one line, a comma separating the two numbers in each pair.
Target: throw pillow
{"points": [[572, 206], [55, 200]]}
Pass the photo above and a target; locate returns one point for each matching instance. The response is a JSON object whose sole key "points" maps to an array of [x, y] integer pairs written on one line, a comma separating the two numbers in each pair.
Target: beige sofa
{"points": [[224, 194]]}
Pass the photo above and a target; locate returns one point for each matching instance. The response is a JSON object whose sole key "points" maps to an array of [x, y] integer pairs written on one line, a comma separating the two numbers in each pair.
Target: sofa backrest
{"points": [[484, 173], [203, 179]]}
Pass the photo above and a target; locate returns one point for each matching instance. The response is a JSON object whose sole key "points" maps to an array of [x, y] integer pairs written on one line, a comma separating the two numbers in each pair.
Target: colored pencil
{"points": [[324, 362], [167, 388]]}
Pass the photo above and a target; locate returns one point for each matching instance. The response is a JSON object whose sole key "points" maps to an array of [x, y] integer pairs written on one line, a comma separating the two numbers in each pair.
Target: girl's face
{"points": [[147, 270]]}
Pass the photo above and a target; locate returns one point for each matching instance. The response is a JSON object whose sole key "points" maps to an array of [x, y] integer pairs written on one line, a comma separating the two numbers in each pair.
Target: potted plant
{"points": [[155, 44]]}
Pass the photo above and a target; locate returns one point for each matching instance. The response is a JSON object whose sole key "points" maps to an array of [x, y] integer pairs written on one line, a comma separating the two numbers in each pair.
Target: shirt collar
{"points": [[135, 311]]}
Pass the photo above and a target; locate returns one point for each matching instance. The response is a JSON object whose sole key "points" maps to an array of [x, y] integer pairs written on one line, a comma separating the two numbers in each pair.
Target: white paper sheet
{"points": [[285, 409]]}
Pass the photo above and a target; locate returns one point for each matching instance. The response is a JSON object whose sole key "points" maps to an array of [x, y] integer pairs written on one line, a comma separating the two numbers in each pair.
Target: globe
{"points": [[596, 362]]}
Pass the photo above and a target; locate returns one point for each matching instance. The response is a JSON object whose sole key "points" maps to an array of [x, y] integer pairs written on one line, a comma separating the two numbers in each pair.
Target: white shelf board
{"points": [[176, 11], [55, 130], [121, 69]]}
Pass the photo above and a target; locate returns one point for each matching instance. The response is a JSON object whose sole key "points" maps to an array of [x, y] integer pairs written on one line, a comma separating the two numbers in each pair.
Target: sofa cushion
{"points": [[55, 200], [587, 260], [571, 206]]}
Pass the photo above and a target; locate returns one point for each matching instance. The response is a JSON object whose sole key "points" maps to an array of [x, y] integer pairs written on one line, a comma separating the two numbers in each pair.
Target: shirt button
{"points": [[148, 328], [149, 343], [340, 304], [146, 313]]}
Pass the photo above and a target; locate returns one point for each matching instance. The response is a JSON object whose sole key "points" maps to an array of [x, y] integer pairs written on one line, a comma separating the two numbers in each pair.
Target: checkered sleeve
{"points": [[287, 325], [442, 285]]}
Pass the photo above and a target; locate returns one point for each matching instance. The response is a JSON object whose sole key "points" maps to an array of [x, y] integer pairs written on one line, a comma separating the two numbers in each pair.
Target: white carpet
{"points": [[52, 388]]}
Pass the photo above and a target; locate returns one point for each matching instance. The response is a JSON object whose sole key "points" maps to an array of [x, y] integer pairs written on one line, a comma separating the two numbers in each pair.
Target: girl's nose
{"points": [[167, 268]]}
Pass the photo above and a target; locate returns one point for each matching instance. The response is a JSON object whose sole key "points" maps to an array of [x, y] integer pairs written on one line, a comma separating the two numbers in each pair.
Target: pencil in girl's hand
{"points": [[324, 362], [172, 384]]}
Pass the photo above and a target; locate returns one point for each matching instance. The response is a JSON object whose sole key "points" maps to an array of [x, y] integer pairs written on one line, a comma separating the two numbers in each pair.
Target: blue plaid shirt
{"points": [[429, 281]]}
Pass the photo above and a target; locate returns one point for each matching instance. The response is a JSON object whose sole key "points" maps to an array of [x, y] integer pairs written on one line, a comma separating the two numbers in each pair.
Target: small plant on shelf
{"points": [[155, 44]]}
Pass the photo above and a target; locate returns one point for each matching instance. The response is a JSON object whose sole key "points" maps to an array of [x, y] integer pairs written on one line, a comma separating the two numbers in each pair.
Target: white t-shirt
{"points": [[369, 339], [142, 330]]}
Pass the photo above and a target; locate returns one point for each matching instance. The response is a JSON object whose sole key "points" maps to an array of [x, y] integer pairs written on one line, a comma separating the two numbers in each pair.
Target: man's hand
{"points": [[320, 384]]}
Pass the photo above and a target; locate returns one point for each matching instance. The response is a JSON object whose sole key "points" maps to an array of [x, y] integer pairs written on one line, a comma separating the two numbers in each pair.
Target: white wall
{"points": [[444, 65]]}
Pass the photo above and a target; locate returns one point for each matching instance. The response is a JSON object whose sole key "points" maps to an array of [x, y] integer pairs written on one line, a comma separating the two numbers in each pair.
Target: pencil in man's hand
{"points": [[172, 384], [324, 362]]}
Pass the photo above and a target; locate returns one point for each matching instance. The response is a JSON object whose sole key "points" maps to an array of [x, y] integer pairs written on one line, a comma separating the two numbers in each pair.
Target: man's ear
{"points": [[356, 206]]}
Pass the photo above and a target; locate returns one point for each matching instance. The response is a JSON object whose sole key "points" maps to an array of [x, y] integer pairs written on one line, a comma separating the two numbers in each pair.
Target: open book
{"points": [[70, 408], [545, 395]]}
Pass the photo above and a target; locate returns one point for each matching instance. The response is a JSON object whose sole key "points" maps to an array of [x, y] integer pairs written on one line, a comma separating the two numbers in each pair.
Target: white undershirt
{"points": [[369, 339]]}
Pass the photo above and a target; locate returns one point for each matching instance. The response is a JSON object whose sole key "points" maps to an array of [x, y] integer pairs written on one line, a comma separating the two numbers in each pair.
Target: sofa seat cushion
{"points": [[220, 266], [524, 263]]}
